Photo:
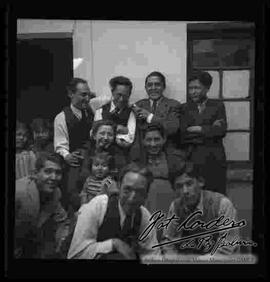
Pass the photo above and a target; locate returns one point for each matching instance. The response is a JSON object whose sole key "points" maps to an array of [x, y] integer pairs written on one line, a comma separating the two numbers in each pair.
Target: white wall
{"points": [[134, 49], [129, 48]]}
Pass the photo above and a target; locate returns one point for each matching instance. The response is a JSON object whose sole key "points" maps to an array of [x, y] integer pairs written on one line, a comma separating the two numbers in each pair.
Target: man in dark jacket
{"points": [[203, 126], [157, 108]]}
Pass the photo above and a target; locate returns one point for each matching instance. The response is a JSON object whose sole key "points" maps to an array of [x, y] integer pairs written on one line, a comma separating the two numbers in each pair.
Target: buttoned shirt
{"points": [[131, 125], [61, 137], [84, 243]]}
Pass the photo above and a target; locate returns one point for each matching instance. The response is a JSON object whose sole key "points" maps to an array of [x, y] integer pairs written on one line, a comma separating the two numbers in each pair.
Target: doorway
{"points": [[44, 67]]}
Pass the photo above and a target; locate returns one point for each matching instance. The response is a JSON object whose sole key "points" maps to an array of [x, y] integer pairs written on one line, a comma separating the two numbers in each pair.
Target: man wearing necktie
{"points": [[109, 227], [71, 130], [157, 108], [119, 112]]}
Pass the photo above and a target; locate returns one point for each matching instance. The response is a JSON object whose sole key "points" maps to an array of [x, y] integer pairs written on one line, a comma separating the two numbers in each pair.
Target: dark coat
{"points": [[167, 113], [206, 148]]}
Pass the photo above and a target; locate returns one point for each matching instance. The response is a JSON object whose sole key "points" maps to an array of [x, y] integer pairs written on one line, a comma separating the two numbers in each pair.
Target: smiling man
{"points": [[109, 227], [157, 108], [41, 223], [118, 111]]}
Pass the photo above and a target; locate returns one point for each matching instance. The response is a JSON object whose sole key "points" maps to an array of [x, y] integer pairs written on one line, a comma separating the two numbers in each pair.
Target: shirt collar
{"points": [[121, 213], [112, 106], [76, 111], [158, 101], [200, 204]]}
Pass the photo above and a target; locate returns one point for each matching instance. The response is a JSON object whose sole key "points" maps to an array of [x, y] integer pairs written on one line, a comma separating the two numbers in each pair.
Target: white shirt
{"points": [[61, 137], [84, 243], [131, 125]]}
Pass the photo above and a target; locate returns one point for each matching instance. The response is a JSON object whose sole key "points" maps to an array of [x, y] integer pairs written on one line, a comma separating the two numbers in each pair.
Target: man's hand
{"points": [[109, 186], [141, 113], [124, 249], [194, 129], [121, 129], [122, 143], [74, 159], [218, 122]]}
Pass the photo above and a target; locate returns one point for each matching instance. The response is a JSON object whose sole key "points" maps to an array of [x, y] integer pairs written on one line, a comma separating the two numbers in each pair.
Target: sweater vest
{"points": [[118, 119], [78, 130], [211, 204]]}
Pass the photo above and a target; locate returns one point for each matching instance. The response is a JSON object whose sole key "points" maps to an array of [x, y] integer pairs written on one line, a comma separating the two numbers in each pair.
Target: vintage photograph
{"points": [[135, 141]]}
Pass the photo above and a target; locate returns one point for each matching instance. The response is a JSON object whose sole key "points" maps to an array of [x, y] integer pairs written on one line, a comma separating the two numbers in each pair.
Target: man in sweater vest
{"points": [[71, 130], [119, 111], [109, 227], [196, 211]]}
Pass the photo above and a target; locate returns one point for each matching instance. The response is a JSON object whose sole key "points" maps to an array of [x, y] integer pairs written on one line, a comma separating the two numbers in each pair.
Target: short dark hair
{"points": [[105, 156], [203, 76], [48, 156], [99, 123], [41, 123], [137, 168], [190, 169], [72, 85], [159, 74], [120, 80], [154, 126]]}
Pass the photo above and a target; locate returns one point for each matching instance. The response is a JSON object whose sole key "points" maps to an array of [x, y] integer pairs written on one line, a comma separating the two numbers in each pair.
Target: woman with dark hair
{"points": [[164, 163], [203, 126]]}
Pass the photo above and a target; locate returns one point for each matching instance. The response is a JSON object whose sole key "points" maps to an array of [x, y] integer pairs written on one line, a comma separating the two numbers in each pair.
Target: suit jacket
{"points": [[167, 113], [211, 134]]}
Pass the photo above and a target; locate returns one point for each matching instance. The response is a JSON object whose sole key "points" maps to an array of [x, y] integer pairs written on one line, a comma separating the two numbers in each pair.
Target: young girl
{"points": [[100, 180], [25, 158], [42, 135]]}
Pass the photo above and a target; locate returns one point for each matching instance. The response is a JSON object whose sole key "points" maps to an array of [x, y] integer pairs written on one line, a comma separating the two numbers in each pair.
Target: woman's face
{"points": [[104, 136], [153, 142]]}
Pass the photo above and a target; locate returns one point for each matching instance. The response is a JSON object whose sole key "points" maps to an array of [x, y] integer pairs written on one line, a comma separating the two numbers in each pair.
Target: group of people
{"points": [[91, 190]]}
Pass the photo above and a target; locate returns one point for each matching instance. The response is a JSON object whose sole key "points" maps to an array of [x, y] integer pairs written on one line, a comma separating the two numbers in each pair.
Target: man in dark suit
{"points": [[203, 126], [157, 108]]}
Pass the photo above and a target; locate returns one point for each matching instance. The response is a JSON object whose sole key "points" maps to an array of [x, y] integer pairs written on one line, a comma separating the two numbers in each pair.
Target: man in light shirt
{"points": [[109, 227], [157, 108], [195, 204], [72, 127], [119, 111]]}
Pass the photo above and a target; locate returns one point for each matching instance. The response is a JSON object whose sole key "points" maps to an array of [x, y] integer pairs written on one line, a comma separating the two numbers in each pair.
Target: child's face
{"points": [[41, 136], [21, 138], [100, 168]]}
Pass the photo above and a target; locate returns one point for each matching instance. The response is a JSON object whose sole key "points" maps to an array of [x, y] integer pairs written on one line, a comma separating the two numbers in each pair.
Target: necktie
{"points": [[83, 115], [127, 225], [154, 106]]}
